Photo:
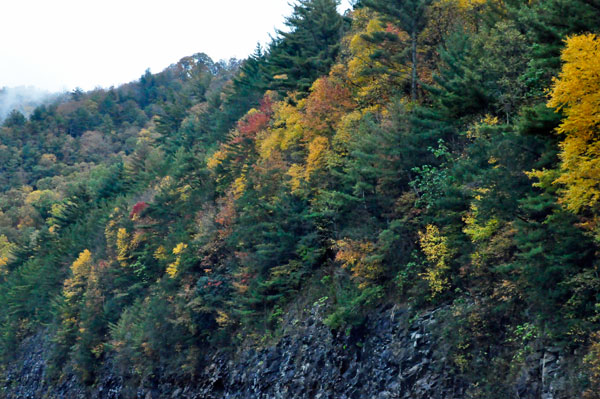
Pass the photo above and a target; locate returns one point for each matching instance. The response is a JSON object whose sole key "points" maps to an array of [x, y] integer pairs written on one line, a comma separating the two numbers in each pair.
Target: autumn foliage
{"points": [[415, 157], [576, 93]]}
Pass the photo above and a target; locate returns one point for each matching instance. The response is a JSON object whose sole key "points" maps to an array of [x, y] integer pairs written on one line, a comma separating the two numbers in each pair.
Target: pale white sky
{"points": [[63, 44]]}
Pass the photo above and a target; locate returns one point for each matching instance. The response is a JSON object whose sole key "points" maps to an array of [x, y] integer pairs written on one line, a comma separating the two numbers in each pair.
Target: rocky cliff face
{"points": [[390, 357]]}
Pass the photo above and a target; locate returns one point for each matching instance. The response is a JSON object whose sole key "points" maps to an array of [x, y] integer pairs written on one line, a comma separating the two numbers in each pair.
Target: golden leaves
{"points": [[160, 253], [359, 257], [173, 267], [80, 270], [434, 246], [81, 266], [123, 246], [576, 92]]}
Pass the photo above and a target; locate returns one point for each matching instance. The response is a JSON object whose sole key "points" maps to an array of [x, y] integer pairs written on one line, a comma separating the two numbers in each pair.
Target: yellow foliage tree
{"points": [[374, 87], [476, 230], [47, 160], [576, 92], [160, 253], [297, 175], [80, 269], [358, 256], [434, 246], [173, 267], [305, 127], [317, 149], [123, 246], [466, 4], [6, 248], [287, 129], [37, 197]]}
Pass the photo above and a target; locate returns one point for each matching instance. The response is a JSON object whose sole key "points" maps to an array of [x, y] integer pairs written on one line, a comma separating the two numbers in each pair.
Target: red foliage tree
{"points": [[138, 209]]}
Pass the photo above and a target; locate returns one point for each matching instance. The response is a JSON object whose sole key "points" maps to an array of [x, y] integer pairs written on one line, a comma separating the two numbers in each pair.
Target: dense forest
{"points": [[425, 153]]}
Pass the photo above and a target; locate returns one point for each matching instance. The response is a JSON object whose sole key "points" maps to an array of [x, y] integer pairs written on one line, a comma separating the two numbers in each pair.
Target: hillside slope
{"points": [[422, 155]]}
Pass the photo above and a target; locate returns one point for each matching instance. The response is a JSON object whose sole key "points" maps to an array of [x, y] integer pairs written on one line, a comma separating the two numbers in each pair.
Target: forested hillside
{"points": [[422, 153]]}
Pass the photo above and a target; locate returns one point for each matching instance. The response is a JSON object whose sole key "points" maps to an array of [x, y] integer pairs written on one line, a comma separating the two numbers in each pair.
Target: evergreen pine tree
{"points": [[298, 57]]}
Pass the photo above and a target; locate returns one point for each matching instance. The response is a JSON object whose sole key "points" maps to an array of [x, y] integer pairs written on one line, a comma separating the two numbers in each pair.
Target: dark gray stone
{"points": [[389, 359]]}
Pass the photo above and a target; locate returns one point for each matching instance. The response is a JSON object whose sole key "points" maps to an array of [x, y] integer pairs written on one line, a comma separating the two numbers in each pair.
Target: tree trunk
{"points": [[413, 83]]}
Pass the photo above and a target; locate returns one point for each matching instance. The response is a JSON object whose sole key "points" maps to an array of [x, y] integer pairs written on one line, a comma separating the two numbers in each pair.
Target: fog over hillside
{"points": [[22, 98]]}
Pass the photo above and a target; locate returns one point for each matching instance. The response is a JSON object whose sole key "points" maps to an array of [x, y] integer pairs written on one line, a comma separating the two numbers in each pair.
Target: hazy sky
{"points": [[63, 44]]}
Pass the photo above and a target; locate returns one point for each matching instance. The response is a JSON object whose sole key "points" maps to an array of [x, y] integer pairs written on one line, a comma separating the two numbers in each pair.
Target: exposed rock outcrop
{"points": [[389, 358]]}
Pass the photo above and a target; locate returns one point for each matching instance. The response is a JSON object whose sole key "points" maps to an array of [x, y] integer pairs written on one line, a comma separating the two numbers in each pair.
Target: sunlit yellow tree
{"points": [[435, 247], [80, 270], [576, 92]]}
